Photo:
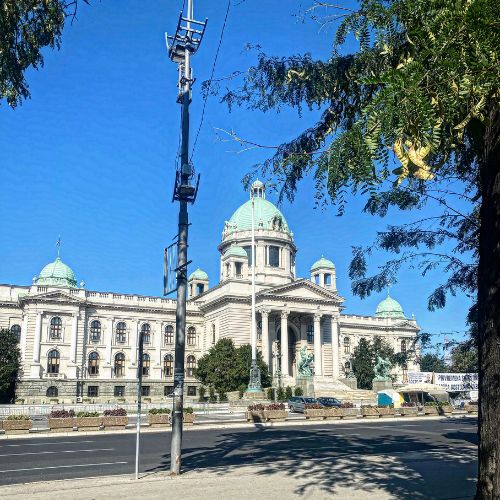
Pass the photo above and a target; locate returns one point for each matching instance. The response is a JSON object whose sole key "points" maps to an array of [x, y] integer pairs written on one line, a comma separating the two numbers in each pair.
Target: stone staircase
{"points": [[324, 386]]}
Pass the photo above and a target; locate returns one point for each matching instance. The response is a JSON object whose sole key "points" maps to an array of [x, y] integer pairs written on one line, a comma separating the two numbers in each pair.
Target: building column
{"points": [[74, 337], [38, 338], [265, 338], [157, 342], [109, 341], [24, 336], [318, 369], [284, 343], [335, 346]]}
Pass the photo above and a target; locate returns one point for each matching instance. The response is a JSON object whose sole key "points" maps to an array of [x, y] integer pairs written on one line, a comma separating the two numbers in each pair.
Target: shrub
{"points": [[18, 417], [62, 414], [256, 407], [212, 398], [473, 403], [270, 394], [406, 404], [431, 403], [288, 392], [117, 412], [222, 397], [202, 393], [387, 406], [314, 406], [280, 396], [275, 406], [298, 391], [188, 410], [83, 414], [241, 390], [346, 404], [158, 411]]}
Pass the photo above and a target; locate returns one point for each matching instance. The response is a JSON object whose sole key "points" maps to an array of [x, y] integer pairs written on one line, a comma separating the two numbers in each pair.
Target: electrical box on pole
{"points": [[181, 46]]}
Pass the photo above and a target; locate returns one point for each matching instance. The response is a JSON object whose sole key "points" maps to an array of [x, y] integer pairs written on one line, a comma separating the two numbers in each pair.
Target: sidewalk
{"points": [[246, 483]]}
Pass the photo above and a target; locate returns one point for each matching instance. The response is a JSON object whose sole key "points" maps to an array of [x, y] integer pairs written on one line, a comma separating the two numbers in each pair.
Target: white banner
{"points": [[420, 377], [455, 382]]}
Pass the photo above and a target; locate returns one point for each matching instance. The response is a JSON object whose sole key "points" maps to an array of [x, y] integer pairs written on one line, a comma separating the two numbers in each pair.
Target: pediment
{"points": [[52, 296], [301, 290], [407, 324]]}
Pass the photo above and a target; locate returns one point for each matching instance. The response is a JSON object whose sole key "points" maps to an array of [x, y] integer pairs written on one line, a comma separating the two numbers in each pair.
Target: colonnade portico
{"points": [[271, 317]]}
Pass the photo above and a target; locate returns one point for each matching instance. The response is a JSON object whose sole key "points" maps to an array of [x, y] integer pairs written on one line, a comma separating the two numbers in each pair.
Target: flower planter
{"points": [[471, 408], [255, 416], [349, 413], [334, 413], [431, 411], [386, 412], [88, 423], [114, 422], [408, 411], [189, 418], [369, 412], [315, 413], [16, 426], [159, 419], [446, 410], [61, 424], [275, 415]]}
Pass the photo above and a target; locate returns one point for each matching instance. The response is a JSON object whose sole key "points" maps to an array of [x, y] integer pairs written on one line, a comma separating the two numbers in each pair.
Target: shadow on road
{"points": [[406, 466]]}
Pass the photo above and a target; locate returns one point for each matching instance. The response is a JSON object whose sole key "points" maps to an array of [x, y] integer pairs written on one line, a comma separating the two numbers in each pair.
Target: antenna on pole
{"points": [[181, 46]]}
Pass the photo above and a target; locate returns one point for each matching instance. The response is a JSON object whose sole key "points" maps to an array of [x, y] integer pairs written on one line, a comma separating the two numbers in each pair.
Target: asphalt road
{"points": [[414, 459]]}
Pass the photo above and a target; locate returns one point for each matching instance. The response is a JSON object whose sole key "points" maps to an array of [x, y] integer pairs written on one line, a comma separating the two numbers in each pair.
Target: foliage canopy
{"points": [[10, 364]]}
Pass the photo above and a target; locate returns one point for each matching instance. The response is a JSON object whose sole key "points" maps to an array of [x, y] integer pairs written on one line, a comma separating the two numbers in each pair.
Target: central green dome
{"points": [[389, 308], [267, 216], [57, 273]]}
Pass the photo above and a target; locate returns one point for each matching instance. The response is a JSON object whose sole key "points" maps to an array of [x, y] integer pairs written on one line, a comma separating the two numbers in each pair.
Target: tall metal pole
{"points": [[139, 401]]}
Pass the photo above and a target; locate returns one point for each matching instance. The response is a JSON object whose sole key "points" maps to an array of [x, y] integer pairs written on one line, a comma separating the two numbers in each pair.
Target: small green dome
{"points": [[57, 273], [267, 216], [198, 275], [258, 184], [323, 264], [235, 251], [389, 308]]}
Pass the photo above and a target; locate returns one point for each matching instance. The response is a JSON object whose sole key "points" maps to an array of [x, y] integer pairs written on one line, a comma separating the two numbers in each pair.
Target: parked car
{"points": [[330, 402], [298, 403]]}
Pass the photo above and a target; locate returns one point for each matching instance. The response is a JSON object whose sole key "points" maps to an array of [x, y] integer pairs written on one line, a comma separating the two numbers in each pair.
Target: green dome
{"points": [[323, 264], [235, 251], [57, 273], [198, 275], [389, 308], [265, 213]]}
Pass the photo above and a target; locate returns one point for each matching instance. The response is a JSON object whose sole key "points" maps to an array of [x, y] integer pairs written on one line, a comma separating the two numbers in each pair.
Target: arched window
{"points": [[403, 345], [120, 364], [121, 333], [168, 365], [146, 333], [169, 334], [16, 330], [191, 365], [347, 345], [310, 333], [53, 359], [191, 336], [95, 331], [55, 328], [52, 392], [146, 362], [93, 363]]}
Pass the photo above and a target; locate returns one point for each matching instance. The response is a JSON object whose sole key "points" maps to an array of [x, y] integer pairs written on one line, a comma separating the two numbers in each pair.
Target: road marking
{"points": [[52, 452], [46, 444], [62, 466]]}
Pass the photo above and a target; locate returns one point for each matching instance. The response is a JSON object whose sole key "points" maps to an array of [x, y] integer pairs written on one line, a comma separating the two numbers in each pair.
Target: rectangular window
{"points": [[248, 250], [200, 288], [145, 389], [168, 390], [310, 333], [273, 256], [316, 279], [92, 391], [191, 390], [328, 279], [238, 269], [119, 391]]}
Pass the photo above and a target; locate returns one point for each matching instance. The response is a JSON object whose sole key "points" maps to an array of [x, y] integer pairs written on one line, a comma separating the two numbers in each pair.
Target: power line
{"points": [[211, 78]]}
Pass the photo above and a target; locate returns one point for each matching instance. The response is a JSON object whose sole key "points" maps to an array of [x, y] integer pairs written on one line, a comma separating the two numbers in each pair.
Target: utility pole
{"points": [[139, 401], [184, 43]]}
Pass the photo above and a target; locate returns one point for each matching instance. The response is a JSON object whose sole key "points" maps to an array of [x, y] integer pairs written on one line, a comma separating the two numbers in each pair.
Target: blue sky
{"points": [[91, 156]]}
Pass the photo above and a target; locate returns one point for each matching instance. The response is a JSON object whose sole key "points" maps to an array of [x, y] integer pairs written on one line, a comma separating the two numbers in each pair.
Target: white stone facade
{"points": [[67, 356]]}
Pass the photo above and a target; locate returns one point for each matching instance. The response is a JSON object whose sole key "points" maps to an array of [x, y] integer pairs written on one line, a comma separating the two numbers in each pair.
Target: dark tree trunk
{"points": [[488, 486]]}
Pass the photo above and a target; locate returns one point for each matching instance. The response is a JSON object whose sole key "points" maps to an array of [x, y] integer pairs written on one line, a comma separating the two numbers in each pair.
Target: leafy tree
{"points": [[202, 391], [28, 26], [364, 358], [464, 358], [227, 368], [10, 364], [432, 362], [422, 91], [298, 391], [280, 394], [288, 392]]}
